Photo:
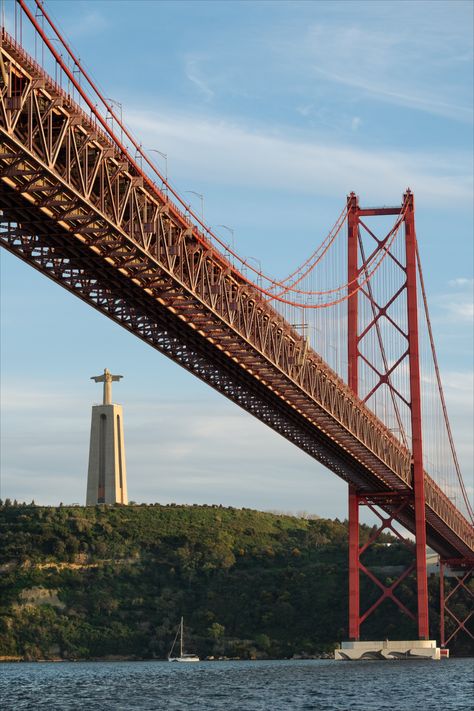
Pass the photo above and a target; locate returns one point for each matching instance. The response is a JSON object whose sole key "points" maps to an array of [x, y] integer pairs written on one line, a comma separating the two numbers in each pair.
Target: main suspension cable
{"points": [[315, 255], [198, 236], [139, 150]]}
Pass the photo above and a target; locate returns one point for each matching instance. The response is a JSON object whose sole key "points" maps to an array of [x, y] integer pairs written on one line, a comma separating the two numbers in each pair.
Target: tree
{"points": [[216, 631]]}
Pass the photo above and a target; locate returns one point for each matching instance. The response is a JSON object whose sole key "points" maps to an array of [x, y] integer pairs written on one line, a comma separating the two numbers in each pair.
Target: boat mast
{"points": [[181, 640]]}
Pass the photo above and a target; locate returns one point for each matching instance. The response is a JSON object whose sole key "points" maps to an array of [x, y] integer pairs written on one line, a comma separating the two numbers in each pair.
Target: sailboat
{"points": [[182, 657]]}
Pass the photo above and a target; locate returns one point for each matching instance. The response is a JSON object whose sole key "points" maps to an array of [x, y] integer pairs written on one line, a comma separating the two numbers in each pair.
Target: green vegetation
{"points": [[113, 582]]}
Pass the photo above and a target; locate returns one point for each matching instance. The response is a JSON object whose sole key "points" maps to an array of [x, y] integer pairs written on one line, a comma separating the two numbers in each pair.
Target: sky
{"points": [[274, 112]]}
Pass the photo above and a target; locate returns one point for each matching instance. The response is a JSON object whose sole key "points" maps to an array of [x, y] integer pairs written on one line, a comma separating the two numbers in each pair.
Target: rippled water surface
{"points": [[239, 686]]}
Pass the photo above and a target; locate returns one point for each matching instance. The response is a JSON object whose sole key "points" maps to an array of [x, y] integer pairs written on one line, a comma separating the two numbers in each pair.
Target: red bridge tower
{"points": [[393, 503]]}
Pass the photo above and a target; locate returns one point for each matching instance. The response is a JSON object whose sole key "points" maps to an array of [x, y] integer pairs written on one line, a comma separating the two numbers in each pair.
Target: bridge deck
{"points": [[77, 208]]}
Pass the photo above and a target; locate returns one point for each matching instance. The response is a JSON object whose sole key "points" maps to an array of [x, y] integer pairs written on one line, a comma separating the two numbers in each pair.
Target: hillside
{"points": [[113, 581]]}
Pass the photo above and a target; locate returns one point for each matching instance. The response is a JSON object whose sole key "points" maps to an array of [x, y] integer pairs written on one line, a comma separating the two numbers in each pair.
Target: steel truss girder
{"points": [[104, 201], [83, 273], [98, 206], [87, 279]]}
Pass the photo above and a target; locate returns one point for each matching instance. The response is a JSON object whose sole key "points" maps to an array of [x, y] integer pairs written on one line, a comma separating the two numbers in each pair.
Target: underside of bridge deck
{"points": [[37, 240]]}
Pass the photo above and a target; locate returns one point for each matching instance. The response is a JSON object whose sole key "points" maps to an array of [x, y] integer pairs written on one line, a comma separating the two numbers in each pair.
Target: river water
{"points": [[238, 686]]}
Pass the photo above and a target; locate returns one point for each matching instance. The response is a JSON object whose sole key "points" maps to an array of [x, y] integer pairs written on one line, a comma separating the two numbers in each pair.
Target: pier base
{"points": [[413, 649]]}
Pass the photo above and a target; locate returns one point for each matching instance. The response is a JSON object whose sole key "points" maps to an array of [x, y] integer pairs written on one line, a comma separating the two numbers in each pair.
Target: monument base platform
{"points": [[413, 649]]}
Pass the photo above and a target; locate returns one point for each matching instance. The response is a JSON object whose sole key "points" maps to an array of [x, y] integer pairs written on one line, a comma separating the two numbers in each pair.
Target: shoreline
{"points": [[60, 660]]}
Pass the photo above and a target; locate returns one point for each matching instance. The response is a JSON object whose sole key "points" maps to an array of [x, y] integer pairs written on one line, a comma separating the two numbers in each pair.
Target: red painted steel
{"points": [[415, 410], [352, 302], [354, 577], [377, 211], [399, 503], [407, 211], [442, 631], [462, 581], [352, 379]]}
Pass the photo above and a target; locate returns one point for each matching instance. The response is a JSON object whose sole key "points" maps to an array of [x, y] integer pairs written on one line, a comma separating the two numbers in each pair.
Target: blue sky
{"points": [[274, 111]]}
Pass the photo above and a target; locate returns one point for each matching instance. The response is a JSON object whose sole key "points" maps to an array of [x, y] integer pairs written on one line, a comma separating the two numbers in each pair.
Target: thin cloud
{"points": [[461, 282], [194, 74], [414, 101], [192, 451], [305, 110], [459, 387], [237, 155], [460, 309], [457, 307], [89, 23], [202, 451], [366, 54]]}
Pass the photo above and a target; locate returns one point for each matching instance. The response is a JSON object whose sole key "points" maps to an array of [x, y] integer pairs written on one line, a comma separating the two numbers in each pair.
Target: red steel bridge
{"points": [[338, 357]]}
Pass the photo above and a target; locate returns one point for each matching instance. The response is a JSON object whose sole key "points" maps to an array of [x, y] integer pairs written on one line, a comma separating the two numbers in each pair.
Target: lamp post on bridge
{"points": [[55, 39], [139, 156], [232, 233], [119, 105], [259, 265], [165, 157], [201, 197], [336, 357]]}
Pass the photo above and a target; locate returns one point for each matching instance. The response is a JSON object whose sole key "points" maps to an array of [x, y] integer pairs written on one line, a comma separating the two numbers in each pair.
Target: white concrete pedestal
{"points": [[388, 649]]}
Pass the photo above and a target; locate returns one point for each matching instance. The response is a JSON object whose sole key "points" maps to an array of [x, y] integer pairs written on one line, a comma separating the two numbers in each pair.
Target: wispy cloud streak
{"points": [[194, 73], [235, 154]]}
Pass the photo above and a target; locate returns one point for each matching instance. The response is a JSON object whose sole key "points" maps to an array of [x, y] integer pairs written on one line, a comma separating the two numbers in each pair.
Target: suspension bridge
{"points": [[338, 357]]}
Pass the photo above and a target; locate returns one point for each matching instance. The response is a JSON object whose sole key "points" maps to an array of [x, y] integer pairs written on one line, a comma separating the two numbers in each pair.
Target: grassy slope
{"points": [[90, 582]]}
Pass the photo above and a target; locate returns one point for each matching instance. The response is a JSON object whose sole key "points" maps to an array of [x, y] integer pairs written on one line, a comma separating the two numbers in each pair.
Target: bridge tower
{"points": [[392, 504], [107, 476]]}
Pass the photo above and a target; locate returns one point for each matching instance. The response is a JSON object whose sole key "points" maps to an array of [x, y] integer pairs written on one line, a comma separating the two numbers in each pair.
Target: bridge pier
{"points": [[387, 650]]}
